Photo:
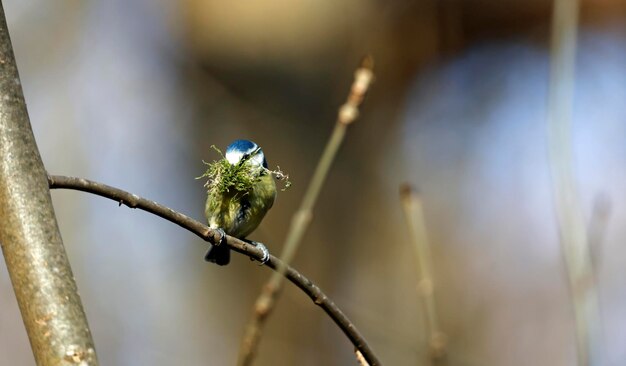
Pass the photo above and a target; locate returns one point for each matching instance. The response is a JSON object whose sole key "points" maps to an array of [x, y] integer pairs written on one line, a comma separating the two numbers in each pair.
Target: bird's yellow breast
{"points": [[239, 213]]}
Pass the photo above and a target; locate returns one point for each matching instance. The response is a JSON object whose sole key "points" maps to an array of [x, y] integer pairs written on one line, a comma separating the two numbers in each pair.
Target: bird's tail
{"points": [[218, 254]]}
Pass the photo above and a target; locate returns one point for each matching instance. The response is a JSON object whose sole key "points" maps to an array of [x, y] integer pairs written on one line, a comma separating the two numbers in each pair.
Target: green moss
{"points": [[224, 177]]}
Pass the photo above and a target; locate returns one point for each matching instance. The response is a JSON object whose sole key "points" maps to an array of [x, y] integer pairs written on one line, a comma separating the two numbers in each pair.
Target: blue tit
{"points": [[240, 213]]}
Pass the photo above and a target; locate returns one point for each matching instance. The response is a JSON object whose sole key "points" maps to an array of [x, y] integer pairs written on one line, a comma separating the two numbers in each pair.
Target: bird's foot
{"points": [[266, 253], [218, 250], [222, 236]]}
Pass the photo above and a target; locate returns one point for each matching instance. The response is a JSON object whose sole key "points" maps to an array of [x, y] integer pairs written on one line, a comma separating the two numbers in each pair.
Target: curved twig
{"points": [[133, 201]]}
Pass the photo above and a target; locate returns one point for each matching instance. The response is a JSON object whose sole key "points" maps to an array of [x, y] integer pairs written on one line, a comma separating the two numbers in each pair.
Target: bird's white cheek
{"points": [[233, 158]]}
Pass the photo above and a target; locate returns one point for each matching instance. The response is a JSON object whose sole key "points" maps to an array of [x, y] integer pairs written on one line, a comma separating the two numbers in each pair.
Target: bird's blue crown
{"points": [[240, 148]]}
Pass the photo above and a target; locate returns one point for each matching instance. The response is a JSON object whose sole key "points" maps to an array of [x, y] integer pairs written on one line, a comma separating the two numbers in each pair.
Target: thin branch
{"points": [[572, 228], [270, 292], [133, 201], [414, 215], [29, 235]]}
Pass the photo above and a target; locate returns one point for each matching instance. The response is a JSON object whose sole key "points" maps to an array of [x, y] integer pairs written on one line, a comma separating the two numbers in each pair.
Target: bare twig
{"points": [[574, 239], [417, 228], [133, 201], [270, 292], [29, 235]]}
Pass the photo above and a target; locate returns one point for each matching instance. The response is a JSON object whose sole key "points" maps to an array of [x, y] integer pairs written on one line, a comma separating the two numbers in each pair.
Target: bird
{"points": [[239, 213]]}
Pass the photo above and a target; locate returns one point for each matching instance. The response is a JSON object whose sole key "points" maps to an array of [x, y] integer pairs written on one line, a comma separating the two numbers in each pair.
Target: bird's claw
{"points": [[222, 236], [266, 253]]}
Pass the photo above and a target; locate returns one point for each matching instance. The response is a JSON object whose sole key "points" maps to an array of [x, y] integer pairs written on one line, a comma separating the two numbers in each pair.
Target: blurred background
{"points": [[134, 93]]}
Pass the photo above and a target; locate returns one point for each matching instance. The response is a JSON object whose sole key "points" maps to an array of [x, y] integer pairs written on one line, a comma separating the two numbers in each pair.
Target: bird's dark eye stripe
{"points": [[246, 156]]}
